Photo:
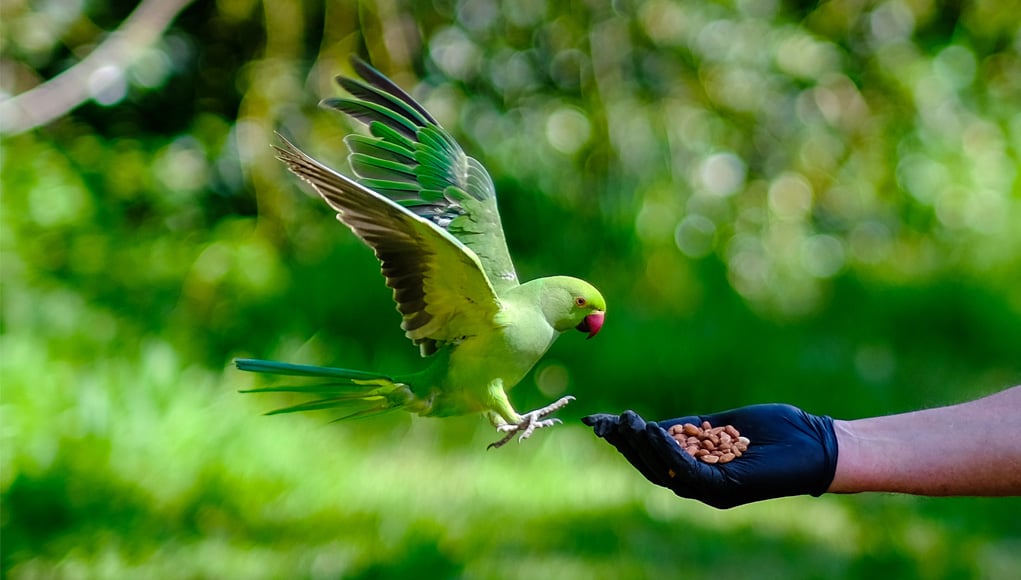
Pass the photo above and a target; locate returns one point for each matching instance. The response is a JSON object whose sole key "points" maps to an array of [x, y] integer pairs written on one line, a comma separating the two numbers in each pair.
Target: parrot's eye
{"points": [[579, 301]]}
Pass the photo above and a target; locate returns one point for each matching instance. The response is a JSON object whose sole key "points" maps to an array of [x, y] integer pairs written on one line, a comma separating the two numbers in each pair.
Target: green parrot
{"points": [[429, 213]]}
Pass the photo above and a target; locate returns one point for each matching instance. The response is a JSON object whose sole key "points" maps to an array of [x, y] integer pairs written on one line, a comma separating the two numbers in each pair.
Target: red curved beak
{"points": [[592, 323]]}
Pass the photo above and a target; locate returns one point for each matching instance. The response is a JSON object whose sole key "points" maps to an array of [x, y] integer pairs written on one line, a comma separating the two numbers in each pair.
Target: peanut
{"points": [[713, 445]]}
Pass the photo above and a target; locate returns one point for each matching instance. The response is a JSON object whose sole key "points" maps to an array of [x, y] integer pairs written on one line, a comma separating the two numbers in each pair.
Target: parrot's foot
{"points": [[530, 422]]}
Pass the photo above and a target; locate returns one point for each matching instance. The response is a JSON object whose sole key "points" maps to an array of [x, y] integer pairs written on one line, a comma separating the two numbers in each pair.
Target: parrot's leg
{"points": [[530, 422]]}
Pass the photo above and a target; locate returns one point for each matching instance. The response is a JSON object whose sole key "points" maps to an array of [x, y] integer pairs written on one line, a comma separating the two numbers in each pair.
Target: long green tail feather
{"points": [[281, 368], [330, 403], [378, 410], [357, 391], [353, 390]]}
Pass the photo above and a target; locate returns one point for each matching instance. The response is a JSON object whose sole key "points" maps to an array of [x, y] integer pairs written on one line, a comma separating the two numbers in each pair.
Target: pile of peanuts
{"points": [[708, 443]]}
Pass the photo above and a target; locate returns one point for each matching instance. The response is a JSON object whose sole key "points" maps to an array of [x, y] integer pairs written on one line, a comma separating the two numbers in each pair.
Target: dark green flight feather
{"points": [[409, 158]]}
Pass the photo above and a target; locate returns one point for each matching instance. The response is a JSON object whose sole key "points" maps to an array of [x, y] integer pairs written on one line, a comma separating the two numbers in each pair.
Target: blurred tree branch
{"points": [[66, 91]]}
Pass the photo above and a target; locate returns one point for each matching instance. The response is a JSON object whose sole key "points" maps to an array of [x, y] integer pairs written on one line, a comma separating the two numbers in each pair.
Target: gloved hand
{"points": [[791, 453]]}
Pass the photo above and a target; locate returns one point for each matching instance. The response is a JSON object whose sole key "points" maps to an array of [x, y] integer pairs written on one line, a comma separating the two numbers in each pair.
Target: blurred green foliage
{"points": [[798, 202]]}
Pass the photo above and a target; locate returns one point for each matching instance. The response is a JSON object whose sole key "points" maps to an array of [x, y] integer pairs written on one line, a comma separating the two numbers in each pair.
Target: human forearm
{"points": [[969, 449]]}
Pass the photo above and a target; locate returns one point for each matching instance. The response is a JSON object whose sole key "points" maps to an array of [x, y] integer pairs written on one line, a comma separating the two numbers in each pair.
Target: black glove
{"points": [[791, 453]]}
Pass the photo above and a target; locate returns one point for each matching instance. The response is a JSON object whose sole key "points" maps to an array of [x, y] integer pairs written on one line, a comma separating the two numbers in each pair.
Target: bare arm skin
{"points": [[973, 448]]}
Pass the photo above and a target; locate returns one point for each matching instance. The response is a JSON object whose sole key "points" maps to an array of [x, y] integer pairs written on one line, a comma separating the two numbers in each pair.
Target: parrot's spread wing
{"points": [[413, 161], [438, 284]]}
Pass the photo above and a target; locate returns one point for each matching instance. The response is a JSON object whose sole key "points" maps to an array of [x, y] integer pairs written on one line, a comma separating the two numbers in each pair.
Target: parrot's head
{"points": [[572, 303]]}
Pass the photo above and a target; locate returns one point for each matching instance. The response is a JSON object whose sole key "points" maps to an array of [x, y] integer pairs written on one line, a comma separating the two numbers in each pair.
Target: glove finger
{"points": [[624, 433], [594, 419], [631, 449], [631, 443], [665, 460], [614, 429], [602, 423], [672, 456], [632, 422]]}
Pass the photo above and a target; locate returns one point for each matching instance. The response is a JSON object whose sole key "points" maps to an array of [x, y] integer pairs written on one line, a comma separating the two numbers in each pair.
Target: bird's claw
{"points": [[530, 422]]}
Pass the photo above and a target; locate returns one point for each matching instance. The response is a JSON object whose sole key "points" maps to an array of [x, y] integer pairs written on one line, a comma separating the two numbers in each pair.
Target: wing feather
{"points": [[410, 159], [438, 283]]}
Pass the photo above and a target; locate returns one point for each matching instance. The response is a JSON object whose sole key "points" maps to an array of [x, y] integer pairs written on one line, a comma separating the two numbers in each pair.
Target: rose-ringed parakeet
{"points": [[429, 213]]}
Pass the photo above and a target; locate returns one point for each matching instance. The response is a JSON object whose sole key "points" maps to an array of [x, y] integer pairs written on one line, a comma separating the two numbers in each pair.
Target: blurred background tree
{"points": [[798, 202]]}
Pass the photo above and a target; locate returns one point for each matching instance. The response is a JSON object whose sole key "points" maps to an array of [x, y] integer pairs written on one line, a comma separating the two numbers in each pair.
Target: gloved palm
{"points": [[791, 453]]}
